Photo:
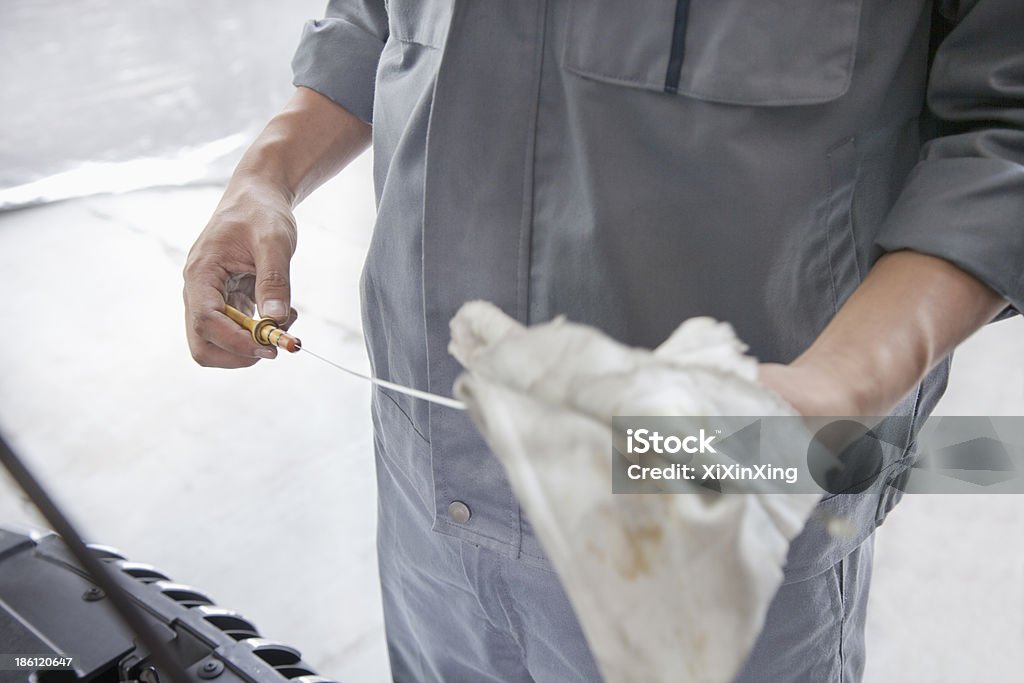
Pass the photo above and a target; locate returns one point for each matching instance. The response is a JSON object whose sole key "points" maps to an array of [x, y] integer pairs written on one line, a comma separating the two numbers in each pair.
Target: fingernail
{"points": [[274, 308], [266, 353]]}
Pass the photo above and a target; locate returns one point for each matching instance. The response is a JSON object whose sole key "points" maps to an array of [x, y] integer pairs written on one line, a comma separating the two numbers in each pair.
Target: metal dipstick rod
{"points": [[266, 332]]}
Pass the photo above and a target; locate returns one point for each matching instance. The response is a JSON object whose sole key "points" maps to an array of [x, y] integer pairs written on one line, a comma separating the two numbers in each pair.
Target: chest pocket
{"points": [[747, 52], [423, 22]]}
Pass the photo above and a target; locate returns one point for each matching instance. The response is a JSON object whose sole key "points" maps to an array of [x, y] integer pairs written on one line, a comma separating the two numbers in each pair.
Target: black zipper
{"points": [[675, 57]]}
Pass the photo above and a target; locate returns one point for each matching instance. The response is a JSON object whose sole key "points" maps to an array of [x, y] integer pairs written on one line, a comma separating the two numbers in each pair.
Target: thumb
{"points": [[273, 287]]}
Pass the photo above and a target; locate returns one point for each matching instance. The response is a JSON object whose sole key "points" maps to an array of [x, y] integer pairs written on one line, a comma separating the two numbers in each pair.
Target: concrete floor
{"points": [[268, 505]]}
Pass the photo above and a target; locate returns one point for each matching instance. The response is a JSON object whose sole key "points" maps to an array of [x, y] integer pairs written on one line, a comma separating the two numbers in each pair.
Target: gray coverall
{"points": [[630, 164]]}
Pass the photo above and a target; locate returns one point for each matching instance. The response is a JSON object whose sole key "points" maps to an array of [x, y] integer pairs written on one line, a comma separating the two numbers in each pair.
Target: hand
{"points": [[242, 258], [243, 255], [908, 314]]}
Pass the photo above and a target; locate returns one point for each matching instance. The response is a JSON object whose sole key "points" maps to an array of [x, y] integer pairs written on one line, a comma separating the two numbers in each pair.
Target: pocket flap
{"points": [[750, 52]]}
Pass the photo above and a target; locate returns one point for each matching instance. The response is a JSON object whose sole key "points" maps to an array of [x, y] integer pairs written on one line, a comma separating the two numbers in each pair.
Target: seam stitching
{"points": [[842, 618], [828, 233]]}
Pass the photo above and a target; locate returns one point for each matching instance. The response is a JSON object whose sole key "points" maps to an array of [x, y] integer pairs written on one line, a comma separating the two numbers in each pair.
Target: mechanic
{"points": [[842, 180]]}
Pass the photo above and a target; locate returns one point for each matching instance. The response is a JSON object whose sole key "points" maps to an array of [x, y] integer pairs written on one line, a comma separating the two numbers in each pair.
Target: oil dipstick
{"points": [[264, 331], [267, 333]]}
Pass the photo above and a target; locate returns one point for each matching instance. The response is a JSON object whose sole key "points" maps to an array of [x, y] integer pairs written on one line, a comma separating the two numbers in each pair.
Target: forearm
{"points": [[306, 144], [253, 232], [910, 312]]}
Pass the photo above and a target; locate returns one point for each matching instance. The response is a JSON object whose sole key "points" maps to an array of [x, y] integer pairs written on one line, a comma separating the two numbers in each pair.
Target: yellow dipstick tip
{"points": [[265, 331]]}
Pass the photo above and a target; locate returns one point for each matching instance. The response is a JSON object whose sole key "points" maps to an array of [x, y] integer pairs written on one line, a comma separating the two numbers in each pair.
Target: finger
{"points": [[216, 329], [204, 305], [293, 315], [235, 340], [209, 355], [273, 287]]}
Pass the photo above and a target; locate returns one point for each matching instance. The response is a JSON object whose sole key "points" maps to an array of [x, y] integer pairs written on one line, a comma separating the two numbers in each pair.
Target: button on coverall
{"points": [[631, 165]]}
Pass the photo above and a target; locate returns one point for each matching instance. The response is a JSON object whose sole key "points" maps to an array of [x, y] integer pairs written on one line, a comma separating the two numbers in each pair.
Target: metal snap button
{"points": [[459, 511]]}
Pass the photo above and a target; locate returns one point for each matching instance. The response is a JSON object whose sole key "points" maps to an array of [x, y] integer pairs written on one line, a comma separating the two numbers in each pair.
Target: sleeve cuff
{"points": [[968, 211], [339, 60]]}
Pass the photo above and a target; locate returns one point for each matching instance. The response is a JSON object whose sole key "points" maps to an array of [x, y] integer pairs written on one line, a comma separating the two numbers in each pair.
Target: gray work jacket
{"points": [[631, 164]]}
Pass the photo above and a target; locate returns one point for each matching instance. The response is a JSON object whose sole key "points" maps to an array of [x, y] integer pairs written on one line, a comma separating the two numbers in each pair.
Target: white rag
{"points": [[666, 586]]}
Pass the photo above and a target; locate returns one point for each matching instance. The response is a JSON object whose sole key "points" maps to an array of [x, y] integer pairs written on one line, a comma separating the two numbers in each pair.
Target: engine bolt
{"points": [[93, 594]]}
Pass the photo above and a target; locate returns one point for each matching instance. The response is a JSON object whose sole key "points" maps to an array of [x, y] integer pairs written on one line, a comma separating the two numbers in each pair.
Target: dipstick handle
{"points": [[264, 331]]}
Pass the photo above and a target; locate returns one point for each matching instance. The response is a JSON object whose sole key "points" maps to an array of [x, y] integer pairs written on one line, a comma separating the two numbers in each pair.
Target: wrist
{"points": [[263, 171], [844, 386], [812, 391]]}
